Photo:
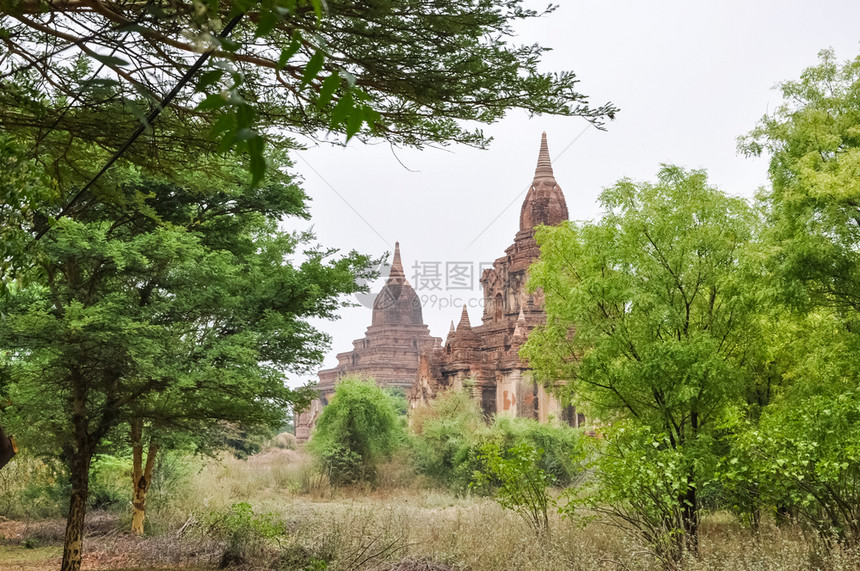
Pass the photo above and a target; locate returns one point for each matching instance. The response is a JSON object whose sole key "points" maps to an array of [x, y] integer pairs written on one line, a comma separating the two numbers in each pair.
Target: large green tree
{"points": [[180, 310], [649, 324], [413, 72], [804, 452]]}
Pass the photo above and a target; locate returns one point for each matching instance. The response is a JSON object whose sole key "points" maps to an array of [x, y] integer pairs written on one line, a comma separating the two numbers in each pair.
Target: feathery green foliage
{"points": [[814, 200], [451, 438], [176, 307], [520, 483], [663, 320], [803, 453], [357, 429], [410, 73]]}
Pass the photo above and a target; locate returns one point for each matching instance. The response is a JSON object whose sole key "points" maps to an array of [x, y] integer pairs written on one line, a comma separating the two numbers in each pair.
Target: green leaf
{"points": [[290, 50], [212, 101], [229, 44], [342, 110], [353, 122], [222, 124], [318, 9], [208, 78], [329, 86], [110, 61], [313, 67], [267, 22], [256, 146]]}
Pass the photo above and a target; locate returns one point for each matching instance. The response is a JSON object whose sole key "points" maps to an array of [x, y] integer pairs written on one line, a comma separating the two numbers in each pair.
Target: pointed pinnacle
{"points": [[464, 320], [520, 326], [396, 264], [544, 165]]}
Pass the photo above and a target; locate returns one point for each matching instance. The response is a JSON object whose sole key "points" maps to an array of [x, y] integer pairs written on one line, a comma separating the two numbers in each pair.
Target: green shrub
{"points": [[449, 436], [34, 488], [641, 483], [561, 458], [445, 433], [247, 534], [110, 482], [298, 557], [518, 482], [355, 432]]}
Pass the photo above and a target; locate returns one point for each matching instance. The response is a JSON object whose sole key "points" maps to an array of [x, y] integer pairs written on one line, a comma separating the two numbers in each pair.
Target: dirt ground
{"points": [[31, 546]]}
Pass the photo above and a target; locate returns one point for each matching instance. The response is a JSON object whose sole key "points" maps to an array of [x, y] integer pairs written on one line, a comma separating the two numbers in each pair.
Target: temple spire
{"points": [[464, 320], [397, 303], [396, 264], [544, 203], [544, 165]]}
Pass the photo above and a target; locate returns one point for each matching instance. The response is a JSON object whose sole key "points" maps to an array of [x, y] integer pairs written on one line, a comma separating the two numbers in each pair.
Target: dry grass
{"points": [[29, 546], [401, 525], [406, 524]]}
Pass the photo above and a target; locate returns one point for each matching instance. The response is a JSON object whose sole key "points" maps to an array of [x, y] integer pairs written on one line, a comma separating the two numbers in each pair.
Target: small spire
{"points": [[544, 165], [464, 320], [451, 332], [519, 330], [396, 264]]}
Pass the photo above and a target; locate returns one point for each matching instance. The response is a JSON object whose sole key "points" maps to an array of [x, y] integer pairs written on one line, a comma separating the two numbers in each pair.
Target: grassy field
{"points": [[273, 511]]}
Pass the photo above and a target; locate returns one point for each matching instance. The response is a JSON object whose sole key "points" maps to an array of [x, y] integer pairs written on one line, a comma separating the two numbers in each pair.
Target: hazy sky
{"points": [[689, 77]]}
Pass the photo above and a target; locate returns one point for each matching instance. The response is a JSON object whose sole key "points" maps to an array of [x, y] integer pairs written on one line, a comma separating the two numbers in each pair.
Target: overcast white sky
{"points": [[689, 77]]}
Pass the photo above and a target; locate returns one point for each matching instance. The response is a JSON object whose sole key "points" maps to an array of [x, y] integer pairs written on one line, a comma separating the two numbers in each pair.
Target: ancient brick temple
{"points": [[398, 351], [485, 358], [389, 350]]}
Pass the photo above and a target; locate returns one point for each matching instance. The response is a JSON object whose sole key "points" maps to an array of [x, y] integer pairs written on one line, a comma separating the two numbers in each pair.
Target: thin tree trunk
{"points": [[690, 502], [141, 475], [79, 463]]}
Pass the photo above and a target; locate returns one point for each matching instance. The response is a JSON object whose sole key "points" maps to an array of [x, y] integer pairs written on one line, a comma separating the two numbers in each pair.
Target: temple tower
{"points": [[487, 356], [389, 351]]}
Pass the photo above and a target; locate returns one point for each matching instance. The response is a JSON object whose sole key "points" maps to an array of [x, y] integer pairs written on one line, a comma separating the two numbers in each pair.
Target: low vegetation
{"points": [[516, 496], [274, 510]]}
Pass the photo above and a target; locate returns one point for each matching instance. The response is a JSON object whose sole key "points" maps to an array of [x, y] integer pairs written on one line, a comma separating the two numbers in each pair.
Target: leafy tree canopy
{"points": [[814, 201], [173, 312], [172, 308], [650, 322], [412, 72], [655, 295]]}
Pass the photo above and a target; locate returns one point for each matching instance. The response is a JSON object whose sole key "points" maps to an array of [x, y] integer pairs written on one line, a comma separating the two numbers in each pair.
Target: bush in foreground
{"points": [[450, 437], [356, 430]]}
